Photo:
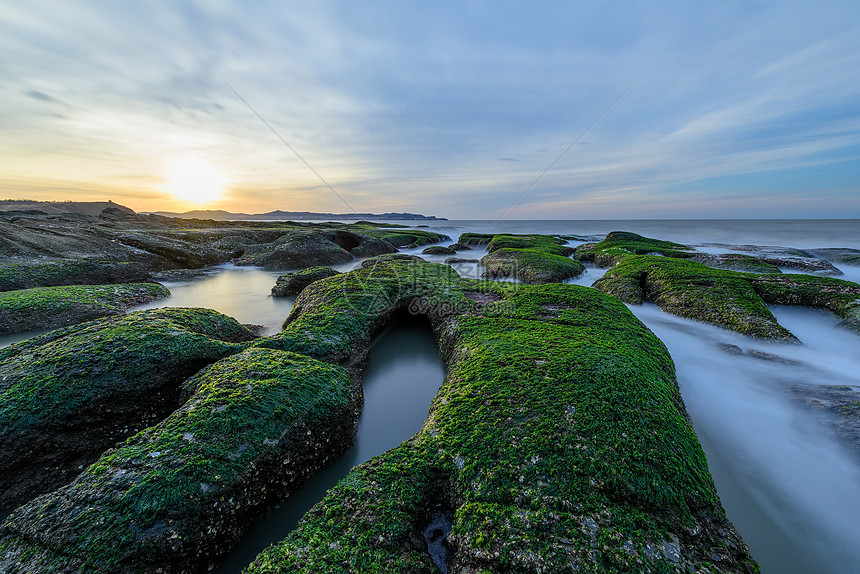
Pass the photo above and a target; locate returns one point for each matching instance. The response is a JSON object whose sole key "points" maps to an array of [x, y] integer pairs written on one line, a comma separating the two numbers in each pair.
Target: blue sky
{"points": [[739, 109]]}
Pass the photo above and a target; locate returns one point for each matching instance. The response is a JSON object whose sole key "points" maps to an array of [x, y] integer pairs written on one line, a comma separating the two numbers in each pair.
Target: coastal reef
{"points": [[533, 259], [173, 496], [557, 443], [51, 307], [70, 394], [293, 283], [644, 269]]}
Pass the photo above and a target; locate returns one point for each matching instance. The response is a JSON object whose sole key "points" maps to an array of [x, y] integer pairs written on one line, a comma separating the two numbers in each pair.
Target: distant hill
{"points": [[93, 208], [226, 215]]}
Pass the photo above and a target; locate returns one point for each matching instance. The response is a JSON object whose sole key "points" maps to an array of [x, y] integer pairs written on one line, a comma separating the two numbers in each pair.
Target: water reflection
{"points": [[238, 292], [403, 374]]}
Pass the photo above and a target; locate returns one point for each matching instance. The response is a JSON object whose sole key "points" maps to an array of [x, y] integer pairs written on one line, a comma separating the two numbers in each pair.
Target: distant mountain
{"points": [[220, 215], [93, 208]]}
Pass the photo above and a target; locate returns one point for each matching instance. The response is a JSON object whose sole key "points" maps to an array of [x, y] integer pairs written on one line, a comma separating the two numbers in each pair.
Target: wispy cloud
{"points": [[440, 108]]}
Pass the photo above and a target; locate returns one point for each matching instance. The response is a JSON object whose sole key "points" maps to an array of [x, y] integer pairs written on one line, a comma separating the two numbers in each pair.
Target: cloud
{"points": [[413, 107]]}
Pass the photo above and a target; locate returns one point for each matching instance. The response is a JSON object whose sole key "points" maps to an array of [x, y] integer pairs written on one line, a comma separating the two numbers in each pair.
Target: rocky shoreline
{"points": [[149, 441]]}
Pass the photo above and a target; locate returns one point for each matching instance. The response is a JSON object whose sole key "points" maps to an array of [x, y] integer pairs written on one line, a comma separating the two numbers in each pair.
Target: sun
{"points": [[195, 181]]}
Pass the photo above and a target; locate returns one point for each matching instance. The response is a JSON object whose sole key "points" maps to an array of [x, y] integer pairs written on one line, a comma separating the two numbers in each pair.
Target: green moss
{"points": [[293, 283], [545, 243], [530, 265], [26, 274], [48, 307], [558, 441], [438, 250], [732, 299], [69, 394], [255, 426], [618, 244], [475, 238]]}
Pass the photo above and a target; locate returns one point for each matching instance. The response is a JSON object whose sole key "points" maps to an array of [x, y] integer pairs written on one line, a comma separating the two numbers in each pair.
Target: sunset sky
{"points": [[739, 109]]}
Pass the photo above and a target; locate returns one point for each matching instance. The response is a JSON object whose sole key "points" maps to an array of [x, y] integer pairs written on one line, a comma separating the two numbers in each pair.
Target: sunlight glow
{"points": [[195, 181]]}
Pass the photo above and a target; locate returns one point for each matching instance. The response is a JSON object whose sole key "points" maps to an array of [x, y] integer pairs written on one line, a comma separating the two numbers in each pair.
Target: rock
{"points": [[687, 288], [838, 255], [69, 394], [451, 260], [851, 319], [736, 262], [174, 496], [52, 307], [619, 244], [785, 257], [841, 403], [533, 448], [296, 250], [438, 250], [179, 274], [543, 243], [530, 266], [459, 247], [293, 283], [371, 261], [23, 273]]}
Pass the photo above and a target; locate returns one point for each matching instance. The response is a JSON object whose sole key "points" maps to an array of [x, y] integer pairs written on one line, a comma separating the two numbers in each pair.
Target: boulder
{"points": [[52, 307], [68, 395], [293, 283]]}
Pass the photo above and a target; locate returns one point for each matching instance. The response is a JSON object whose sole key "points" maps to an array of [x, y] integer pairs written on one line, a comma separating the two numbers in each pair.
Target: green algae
{"points": [[558, 442], [618, 244], [530, 265], [67, 395], [49, 307], [730, 299], [255, 426], [26, 274], [293, 283]]}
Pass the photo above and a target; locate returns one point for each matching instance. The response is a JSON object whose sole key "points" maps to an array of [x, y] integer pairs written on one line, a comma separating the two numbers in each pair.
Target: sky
{"points": [[741, 109]]}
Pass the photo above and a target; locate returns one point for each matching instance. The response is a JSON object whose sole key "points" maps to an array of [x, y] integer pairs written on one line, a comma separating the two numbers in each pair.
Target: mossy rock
{"points": [[839, 255], [475, 238], [174, 496], [438, 250], [51, 307], [736, 262], [18, 273], [558, 441], [530, 265], [69, 394], [293, 283], [406, 237], [460, 247], [296, 250], [730, 299], [619, 244], [371, 261], [545, 243]]}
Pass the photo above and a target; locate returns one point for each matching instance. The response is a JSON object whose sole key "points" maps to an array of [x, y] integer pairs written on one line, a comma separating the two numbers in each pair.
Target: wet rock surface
{"points": [[52, 307], [293, 283], [174, 496], [69, 394], [533, 259], [680, 285], [534, 449]]}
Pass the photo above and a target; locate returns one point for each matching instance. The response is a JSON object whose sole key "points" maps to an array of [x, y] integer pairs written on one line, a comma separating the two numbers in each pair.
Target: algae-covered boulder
{"points": [[619, 244], [69, 394], [51, 307], [736, 262], [174, 496], [838, 255], [557, 443], [296, 250], [371, 261], [530, 266], [734, 300], [438, 250], [545, 243], [293, 283], [22, 273]]}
